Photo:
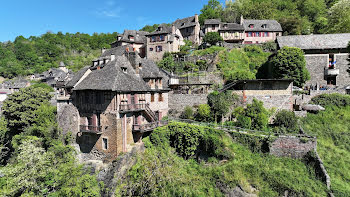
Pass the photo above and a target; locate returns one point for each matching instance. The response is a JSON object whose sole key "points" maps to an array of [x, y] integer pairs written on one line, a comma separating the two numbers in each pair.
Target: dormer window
{"points": [[159, 29], [119, 38], [131, 38], [251, 26], [124, 69], [225, 26], [264, 26], [140, 66], [183, 24]]}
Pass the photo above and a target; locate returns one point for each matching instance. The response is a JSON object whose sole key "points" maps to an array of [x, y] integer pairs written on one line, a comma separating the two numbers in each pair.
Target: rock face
{"points": [[116, 171], [235, 192]]}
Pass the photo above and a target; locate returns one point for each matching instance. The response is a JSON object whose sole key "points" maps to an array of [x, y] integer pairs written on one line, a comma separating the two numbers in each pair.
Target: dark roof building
{"points": [[315, 42], [262, 25]]}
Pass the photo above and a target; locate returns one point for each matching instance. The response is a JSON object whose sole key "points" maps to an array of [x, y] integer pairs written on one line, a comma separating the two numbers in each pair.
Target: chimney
{"points": [[95, 63], [101, 62], [173, 29], [103, 50], [112, 57], [196, 19], [242, 20]]}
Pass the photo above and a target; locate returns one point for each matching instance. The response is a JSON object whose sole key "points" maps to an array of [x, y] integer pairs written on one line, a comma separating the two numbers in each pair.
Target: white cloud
{"points": [[109, 10]]}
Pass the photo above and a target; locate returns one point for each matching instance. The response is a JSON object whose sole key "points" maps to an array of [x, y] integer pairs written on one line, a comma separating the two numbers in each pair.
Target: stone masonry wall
{"points": [[177, 102], [315, 64], [291, 146], [343, 79]]}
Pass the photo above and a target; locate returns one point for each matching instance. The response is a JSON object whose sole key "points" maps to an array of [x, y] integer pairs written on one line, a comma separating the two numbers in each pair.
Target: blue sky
{"points": [[36, 17]]}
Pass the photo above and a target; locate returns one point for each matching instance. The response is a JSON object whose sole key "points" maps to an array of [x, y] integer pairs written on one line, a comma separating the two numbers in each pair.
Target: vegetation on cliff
{"points": [[332, 128], [188, 160]]}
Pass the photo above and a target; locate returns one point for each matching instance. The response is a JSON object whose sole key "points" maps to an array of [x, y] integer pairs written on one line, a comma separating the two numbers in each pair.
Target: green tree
{"points": [[287, 120], [167, 63], [289, 63], [212, 10], [221, 103], [18, 108], [150, 28], [212, 38], [203, 112], [255, 114], [339, 17]]}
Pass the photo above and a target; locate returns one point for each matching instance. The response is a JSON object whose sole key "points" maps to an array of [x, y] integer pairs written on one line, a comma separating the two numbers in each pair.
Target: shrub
{"points": [[335, 99], [187, 113], [203, 112], [212, 38], [244, 122], [286, 119], [255, 114]]}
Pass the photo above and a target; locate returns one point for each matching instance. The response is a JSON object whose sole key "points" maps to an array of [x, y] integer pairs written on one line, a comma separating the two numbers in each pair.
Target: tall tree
{"points": [[289, 63], [339, 17], [212, 10]]}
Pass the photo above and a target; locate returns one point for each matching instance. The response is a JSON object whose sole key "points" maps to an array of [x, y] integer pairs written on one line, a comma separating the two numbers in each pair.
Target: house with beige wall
{"points": [[135, 39], [164, 39]]}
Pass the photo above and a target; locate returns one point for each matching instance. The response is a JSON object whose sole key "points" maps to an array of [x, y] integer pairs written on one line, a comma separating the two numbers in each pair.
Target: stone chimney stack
{"points": [[112, 57], [242, 20], [173, 30], [196, 19]]}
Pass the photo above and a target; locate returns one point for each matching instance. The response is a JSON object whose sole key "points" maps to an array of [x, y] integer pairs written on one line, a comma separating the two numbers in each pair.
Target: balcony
{"points": [[132, 107], [331, 72], [91, 129], [149, 127]]}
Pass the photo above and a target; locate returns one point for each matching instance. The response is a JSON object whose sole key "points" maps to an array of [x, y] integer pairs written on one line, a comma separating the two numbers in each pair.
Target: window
{"points": [[225, 26], [160, 98], [162, 37], [213, 27], [250, 34], [257, 34], [150, 49], [153, 39], [131, 38], [332, 80], [152, 97], [105, 143], [251, 26], [159, 48], [124, 69], [266, 34], [264, 26]]}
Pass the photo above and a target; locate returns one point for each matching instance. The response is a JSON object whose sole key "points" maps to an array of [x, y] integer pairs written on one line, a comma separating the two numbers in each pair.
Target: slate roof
{"points": [[271, 25], [231, 26], [317, 41], [139, 36], [164, 29], [212, 21], [77, 77], [185, 22], [112, 77], [15, 84]]}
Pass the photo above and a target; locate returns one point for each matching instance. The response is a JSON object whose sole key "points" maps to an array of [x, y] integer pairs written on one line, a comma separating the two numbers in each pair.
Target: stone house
{"points": [[326, 57], [190, 29], [230, 32], [275, 93], [164, 39], [246, 32], [116, 100], [136, 39], [260, 31]]}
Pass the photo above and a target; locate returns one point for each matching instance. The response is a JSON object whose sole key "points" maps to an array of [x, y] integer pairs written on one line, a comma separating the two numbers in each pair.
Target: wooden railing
{"points": [[90, 129], [149, 126], [132, 107]]}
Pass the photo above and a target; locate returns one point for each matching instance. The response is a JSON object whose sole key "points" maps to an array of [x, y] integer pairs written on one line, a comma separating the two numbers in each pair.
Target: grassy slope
{"points": [[160, 171], [333, 130]]}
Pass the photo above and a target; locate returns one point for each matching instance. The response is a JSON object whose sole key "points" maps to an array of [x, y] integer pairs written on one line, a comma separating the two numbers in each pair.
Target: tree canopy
{"points": [[289, 63]]}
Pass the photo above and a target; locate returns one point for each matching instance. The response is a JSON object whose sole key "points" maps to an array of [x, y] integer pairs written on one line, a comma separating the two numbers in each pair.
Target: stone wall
{"points": [[177, 102], [316, 64], [292, 146]]}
